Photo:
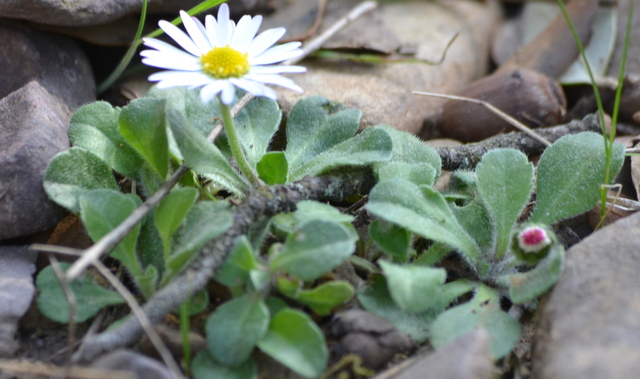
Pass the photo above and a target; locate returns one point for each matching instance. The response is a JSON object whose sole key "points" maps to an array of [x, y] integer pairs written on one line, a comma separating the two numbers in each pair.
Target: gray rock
{"points": [[17, 288], [33, 128], [589, 326], [54, 61], [371, 337], [465, 358], [92, 12], [44, 79], [128, 360], [383, 91]]}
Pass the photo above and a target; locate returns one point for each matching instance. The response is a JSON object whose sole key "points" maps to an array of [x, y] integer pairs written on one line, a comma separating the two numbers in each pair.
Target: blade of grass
{"points": [[608, 137]]}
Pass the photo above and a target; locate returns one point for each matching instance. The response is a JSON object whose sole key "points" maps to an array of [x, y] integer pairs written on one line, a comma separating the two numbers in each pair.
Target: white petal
{"points": [[277, 54], [191, 63], [223, 30], [180, 37], [264, 41], [228, 93], [211, 90], [179, 78], [172, 64], [164, 47], [277, 80], [277, 69], [211, 25], [255, 88], [245, 31], [195, 32]]}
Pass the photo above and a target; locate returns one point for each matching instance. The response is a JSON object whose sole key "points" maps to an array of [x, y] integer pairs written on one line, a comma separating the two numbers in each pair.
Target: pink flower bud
{"points": [[533, 239]]}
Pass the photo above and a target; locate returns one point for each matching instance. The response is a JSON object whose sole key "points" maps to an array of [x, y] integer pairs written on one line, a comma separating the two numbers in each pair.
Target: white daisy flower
{"points": [[221, 55]]}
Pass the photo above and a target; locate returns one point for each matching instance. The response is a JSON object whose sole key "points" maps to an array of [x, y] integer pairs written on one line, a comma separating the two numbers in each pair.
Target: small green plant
{"points": [[500, 256]]}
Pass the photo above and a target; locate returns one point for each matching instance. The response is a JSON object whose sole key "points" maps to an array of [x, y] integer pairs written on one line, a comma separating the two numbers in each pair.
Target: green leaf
{"points": [[170, 213], [101, 211], [475, 219], [529, 285], [315, 248], [273, 168], [481, 311], [372, 145], [142, 123], [413, 288], [423, 211], [256, 124], [390, 238], [321, 299], [205, 221], [309, 210], [149, 246], [505, 181], [90, 297], [235, 327], [314, 125], [198, 303], [570, 173], [74, 173], [376, 299], [95, 127], [241, 260], [204, 366], [202, 156], [411, 159], [148, 282], [294, 340], [187, 102]]}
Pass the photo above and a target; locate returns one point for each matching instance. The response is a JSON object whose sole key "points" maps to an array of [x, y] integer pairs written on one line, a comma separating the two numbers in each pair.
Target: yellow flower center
{"points": [[224, 63]]}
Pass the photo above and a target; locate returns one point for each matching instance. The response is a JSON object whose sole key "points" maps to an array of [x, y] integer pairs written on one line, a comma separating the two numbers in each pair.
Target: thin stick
{"points": [[493, 109], [71, 299], [142, 319]]}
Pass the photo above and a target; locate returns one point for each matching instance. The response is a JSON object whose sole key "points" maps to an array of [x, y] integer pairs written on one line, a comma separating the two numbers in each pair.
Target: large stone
{"points": [[54, 61], [465, 358], [33, 128], [44, 79], [589, 326], [383, 91], [17, 289], [92, 12]]}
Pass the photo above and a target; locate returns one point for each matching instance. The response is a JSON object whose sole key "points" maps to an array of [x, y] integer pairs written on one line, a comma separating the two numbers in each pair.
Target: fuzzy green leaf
{"points": [[475, 219], [187, 102], [411, 158], [294, 340], [376, 299], [205, 221], [372, 145], [170, 213], [235, 327], [101, 211], [315, 125], [413, 288], [241, 260], [95, 128], [505, 181], [273, 168], [390, 238], [315, 248], [74, 173], [256, 124], [143, 124], [204, 366], [202, 156], [570, 173], [321, 299], [90, 297], [423, 211], [529, 285], [481, 311]]}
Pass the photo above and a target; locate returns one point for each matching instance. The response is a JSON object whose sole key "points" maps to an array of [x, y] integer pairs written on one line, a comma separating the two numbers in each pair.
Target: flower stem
{"points": [[236, 147]]}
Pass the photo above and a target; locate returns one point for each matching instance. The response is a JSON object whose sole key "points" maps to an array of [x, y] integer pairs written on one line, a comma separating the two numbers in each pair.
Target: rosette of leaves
{"points": [[477, 223]]}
